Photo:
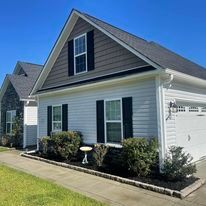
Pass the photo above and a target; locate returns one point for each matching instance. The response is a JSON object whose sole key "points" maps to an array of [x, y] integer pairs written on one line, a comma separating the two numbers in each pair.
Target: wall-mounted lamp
{"points": [[173, 107]]}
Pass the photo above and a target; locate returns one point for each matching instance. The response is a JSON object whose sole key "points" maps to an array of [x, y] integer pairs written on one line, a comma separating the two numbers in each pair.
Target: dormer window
{"points": [[80, 54]]}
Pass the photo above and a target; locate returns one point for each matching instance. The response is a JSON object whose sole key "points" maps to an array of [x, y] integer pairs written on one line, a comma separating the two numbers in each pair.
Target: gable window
{"points": [[113, 121], [57, 118], [10, 119], [80, 54]]}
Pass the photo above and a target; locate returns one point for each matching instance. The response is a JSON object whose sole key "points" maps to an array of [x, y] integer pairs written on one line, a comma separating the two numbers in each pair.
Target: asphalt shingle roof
{"points": [[158, 54], [24, 84]]}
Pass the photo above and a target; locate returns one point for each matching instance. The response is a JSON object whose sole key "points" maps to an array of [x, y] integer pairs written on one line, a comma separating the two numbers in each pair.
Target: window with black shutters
{"points": [[80, 54]]}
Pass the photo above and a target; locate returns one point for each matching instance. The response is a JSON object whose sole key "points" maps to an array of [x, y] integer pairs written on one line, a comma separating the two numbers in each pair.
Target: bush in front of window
{"points": [[178, 164], [140, 155], [61, 145], [99, 153]]}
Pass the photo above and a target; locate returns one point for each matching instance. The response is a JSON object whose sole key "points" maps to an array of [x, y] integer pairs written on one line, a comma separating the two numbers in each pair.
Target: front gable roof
{"points": [[22, 83], [151, 52]]}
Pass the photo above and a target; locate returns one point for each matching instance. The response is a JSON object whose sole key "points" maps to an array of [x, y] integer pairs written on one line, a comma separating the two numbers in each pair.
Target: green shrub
{"points": [[99, 152], [178, 164], [140, 155], [62, 145], [5, 140]]}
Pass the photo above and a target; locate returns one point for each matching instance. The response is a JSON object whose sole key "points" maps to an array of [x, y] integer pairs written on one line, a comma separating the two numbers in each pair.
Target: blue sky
{"points": [[29, 28]]}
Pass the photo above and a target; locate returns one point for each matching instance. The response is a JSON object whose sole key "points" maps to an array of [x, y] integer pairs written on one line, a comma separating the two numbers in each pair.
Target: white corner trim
{"points": [[160, 119], [25, 124], [37, 123]]}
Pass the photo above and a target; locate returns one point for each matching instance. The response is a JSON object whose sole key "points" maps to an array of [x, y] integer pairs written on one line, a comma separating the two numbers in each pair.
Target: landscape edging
{"points": [[180, 194]]}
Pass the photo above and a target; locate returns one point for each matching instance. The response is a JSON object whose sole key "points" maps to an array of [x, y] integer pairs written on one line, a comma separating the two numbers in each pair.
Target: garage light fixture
{"points": [[173, 107]]}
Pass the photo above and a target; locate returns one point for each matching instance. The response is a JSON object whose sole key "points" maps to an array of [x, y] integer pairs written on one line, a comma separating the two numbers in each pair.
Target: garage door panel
{"points": [[191, 130]]}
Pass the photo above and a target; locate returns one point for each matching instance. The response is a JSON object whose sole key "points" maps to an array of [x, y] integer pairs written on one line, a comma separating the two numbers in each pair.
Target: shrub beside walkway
{"points": [[105, 190]]}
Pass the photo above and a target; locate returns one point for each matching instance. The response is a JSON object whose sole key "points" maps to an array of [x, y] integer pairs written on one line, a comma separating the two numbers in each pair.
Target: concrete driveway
{"points": [[108, 191]]}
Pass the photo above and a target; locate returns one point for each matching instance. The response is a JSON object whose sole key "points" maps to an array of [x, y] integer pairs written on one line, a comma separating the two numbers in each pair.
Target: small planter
{"points": [[180, 194]]}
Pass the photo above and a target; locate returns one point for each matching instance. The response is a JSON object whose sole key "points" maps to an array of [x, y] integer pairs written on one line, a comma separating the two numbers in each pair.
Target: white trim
{"points": [[86, 79], [161, 126], [11, 122], [105, 82], [62, 39], [186, 77], [75, 72], [111, 121], [37, 141], [58, 105], [24, 123]]}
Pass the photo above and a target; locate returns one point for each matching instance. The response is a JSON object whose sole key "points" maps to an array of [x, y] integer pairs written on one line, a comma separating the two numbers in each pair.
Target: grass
{"points": [[18, 188], [3, 149]]}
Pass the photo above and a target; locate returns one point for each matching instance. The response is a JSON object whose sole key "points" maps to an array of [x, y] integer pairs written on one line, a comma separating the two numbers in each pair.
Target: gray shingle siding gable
{"points": [[109, 57]]}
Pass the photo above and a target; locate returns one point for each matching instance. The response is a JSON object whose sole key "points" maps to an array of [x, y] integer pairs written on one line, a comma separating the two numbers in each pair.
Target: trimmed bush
{"points": [[178, 164], [62, 145], [99, 152], [140, 154]]}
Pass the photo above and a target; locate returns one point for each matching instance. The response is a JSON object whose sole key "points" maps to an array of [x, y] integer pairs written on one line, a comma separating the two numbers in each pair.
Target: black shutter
{"points": [[90, 50], [127, 117], [49, 120], [71, 58], [100, 121], [65, 117]]}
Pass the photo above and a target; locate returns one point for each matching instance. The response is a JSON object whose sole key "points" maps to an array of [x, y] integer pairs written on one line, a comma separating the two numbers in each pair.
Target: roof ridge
{"points": [[122, 30], [30, 63]]}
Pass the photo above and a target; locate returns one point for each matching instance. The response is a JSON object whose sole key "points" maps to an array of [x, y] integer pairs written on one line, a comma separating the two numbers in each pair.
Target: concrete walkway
{"points": [[108, 191]]}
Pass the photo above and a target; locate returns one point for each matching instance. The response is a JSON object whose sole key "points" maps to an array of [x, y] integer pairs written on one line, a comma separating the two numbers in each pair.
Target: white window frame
{"points": [[56, 130], [75, 72], [11, 122], [113, 121]]}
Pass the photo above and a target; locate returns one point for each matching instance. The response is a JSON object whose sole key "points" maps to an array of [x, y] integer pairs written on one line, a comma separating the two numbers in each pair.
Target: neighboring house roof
{"points": [[151, 52], [23, 84], [155, 52]]}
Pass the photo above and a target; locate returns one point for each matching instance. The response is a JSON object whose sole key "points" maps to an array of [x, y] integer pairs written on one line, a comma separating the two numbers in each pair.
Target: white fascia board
{"points": [[187, 77], [106, 82], [62, 39], [55, 51]]}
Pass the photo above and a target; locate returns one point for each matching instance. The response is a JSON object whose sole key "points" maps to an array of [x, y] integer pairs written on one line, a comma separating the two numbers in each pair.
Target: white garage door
{"points": [[191, 129]]}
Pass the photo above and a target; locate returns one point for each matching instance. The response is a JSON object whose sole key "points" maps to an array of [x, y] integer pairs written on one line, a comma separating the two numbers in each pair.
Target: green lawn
{"points": [[2, 149], [18, 188]]}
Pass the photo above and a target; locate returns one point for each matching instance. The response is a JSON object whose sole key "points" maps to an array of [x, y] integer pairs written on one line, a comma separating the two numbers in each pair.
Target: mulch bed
{"points": [[154, 179]]}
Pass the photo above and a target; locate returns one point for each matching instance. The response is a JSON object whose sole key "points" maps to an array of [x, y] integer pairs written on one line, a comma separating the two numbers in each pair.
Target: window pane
{"points": [[57, 113], [113, 110], [8, 116], [81, 63], [8, 128], [80, 45], [113, 132], [13, 114], [57, 126]]}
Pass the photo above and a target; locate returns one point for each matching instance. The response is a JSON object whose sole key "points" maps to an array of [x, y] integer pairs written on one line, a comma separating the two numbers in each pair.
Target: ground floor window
{"points": [[56, 118], [10, 120], [113, 120]]}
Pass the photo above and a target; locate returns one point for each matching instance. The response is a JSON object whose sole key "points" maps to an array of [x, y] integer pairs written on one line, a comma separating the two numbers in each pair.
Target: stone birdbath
{"points": [[85, 149]]}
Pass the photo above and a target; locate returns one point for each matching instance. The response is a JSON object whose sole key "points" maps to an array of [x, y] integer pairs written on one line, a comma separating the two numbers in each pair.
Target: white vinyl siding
{"points": [[82, 107]]}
